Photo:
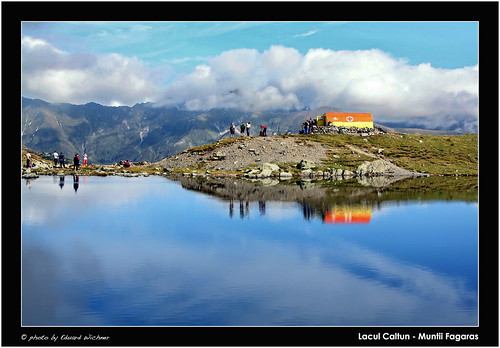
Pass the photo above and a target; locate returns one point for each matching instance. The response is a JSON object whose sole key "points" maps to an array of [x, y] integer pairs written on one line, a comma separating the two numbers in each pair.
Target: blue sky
{"points": [[427, 68], [443, 44]]}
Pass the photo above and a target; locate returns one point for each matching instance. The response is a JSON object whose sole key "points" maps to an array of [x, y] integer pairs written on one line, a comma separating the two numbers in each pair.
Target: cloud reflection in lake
{"points": [[145, 251]]}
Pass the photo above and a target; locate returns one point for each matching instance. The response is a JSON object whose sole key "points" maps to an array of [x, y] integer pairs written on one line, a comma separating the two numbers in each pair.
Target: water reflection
{"points": [[244, 208], [336, 214], [76, 182], [348, 215], [248, 253], [342, 202]]}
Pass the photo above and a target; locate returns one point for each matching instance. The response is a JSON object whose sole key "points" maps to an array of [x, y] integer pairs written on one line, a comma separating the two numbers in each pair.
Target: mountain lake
{"points": [[189, 251]]}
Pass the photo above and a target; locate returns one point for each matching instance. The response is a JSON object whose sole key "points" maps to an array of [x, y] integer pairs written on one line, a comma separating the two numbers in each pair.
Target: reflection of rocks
{"points": [[370, 190], [347, 201], [378, 181], [28, 174], [252, 190], [306, 164]]}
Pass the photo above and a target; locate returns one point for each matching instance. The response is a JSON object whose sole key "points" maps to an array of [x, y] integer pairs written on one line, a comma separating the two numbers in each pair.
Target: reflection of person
{"points": [[242, 210], [262, 207], [76, 182], [61, 181], [231, 208]]}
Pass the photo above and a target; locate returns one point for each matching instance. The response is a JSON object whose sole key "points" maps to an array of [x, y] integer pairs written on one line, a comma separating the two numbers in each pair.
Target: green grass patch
{"points": [[433, 154]]}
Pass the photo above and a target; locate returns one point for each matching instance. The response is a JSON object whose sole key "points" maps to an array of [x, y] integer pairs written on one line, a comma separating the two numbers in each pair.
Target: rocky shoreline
{"points": [[304, 169], [279, 157], [265, 170]]}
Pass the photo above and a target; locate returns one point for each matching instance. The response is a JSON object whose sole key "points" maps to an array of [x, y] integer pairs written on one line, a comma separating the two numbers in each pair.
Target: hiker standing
{"points": [[76, 162], [248, 125], [242, 128], [61, 160], [232, 128], [55, 157], [85, 160], [306, 127], [263, 131], [28, 160]]}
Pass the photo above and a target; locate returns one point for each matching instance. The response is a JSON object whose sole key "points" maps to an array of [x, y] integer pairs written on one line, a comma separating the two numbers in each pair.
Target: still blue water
{"points": [[115, 251]]}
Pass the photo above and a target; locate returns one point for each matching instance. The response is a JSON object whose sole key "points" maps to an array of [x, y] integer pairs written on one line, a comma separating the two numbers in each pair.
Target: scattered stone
{"points": [[347, 173], [330, 129], [218, 156], [270, 166], [377, 167], [306, 173], [306, 164], [29, 176]]}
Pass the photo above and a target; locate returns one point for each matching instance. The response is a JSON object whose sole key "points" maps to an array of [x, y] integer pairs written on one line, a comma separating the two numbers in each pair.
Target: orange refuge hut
{"points": [[346, 119]]}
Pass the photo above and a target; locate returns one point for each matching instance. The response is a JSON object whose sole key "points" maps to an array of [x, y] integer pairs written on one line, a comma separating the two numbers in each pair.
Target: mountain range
{"points": [[145, 132]]}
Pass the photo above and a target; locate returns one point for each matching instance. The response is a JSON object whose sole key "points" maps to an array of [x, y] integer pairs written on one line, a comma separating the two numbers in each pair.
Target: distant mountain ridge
{"points": [[143, 132]]}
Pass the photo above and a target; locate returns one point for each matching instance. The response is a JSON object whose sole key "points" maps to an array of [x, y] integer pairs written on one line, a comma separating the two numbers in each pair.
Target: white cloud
{"points": [[363, 80], [54, 75], [278, 78], [309, 33]]}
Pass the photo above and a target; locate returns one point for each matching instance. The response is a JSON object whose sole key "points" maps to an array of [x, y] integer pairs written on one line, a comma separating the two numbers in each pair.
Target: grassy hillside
{"points": [[430, 154], [433, 154]]}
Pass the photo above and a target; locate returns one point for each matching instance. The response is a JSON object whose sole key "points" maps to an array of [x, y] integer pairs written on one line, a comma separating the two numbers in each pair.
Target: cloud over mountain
{"points": [[277, 78], [54, 75], [363, 80]]}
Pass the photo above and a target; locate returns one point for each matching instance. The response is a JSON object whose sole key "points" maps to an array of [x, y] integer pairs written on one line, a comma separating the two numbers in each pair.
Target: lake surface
{"points": [[116, 251]]}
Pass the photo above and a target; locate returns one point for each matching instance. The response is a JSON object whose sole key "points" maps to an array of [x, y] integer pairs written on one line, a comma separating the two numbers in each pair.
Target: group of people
{"points": [[245, 126], [307, 126], [60, 159]]}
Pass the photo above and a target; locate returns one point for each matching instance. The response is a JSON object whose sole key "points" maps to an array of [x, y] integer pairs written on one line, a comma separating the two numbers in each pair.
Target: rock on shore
{"points": [[249, 152], [273, 156]]}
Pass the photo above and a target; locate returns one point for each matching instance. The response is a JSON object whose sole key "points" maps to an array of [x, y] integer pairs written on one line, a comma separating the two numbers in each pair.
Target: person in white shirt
{"points": [[28, 160], [55, 156]]}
